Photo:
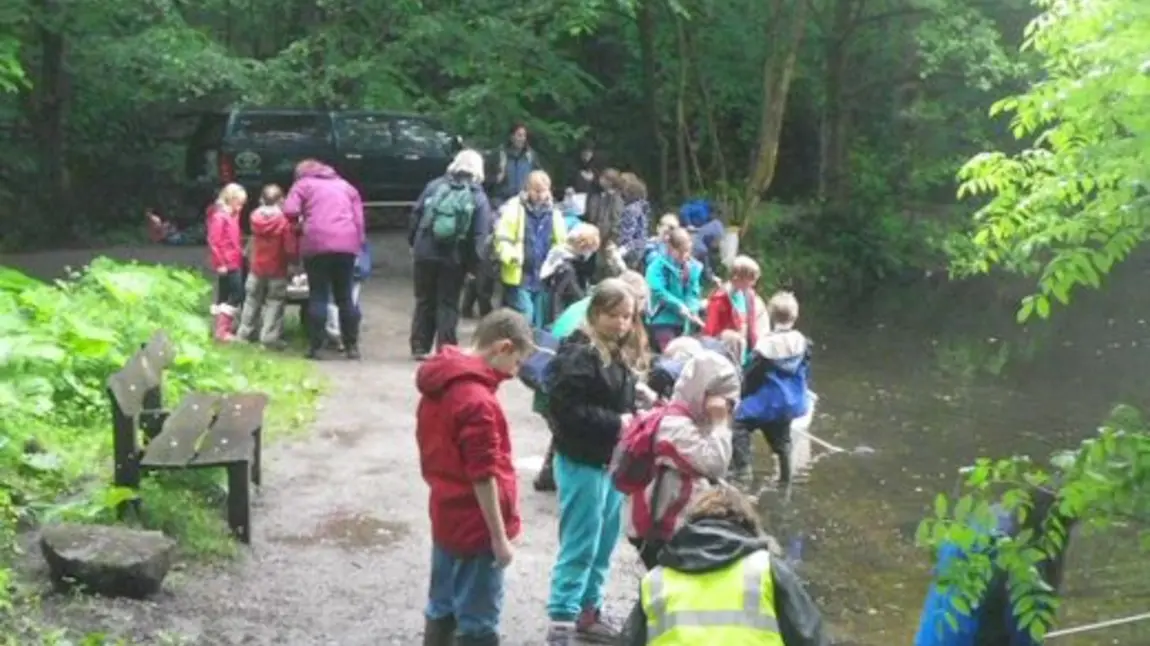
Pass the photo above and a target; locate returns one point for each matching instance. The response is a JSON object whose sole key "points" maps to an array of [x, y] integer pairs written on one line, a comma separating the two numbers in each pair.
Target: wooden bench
{"points": [[203, 431]]}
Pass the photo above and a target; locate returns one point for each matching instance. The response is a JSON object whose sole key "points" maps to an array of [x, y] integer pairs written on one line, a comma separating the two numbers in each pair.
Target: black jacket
{"points": [[586, 400], [582, 184], [707, 545]]}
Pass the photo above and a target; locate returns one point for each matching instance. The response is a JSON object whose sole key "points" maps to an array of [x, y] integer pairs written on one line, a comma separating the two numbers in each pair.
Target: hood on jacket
{"points": [[451, 365], [709, 544], [683, 348], [313, 168], [268, 220], [555, 259], [468, 163], [786, 349], [706, 374]]}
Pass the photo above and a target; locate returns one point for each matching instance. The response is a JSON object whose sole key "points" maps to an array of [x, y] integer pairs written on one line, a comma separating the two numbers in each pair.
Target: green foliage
{"points": [[58, 345], [1073, 202], [1104, 482], [879, 112]]}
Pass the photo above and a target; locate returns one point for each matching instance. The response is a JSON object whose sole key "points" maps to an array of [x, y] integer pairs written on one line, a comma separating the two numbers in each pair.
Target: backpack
{"points": [[633, 463], [533, 370], [448, 212]]}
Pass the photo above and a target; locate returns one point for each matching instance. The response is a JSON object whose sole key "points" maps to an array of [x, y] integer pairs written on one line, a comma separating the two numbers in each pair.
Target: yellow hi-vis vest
{"points": [[733, 606]]}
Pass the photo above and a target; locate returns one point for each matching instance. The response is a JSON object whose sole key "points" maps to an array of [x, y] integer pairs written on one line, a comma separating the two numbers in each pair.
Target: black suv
{"points": [[388, 156]]}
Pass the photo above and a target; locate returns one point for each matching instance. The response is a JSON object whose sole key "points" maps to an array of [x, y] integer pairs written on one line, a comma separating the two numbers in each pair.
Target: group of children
{"points": [[253, 280], [638, 355]]}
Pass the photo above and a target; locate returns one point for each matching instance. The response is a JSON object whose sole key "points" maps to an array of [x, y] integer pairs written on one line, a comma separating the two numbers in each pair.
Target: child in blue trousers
{"points": [[591, 384]]}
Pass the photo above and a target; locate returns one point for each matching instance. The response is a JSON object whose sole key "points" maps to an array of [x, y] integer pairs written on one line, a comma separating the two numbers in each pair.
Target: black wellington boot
{"points": [[545, 481], [439, 632], [471, 640]]}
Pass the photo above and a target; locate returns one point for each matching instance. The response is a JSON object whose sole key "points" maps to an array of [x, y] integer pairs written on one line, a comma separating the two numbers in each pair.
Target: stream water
{"points": [[931, 377]]}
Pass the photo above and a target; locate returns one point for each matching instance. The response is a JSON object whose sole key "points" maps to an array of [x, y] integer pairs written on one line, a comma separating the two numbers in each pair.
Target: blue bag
{"points": [[533, 370], [663, 374]]}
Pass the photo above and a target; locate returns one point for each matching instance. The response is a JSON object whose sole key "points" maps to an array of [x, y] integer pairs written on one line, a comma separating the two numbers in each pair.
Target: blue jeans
{"points": [[532, 304], [469, 589], [590, 521]]}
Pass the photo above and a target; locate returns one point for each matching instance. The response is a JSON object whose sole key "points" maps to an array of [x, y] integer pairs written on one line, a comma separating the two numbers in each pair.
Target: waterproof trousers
{"points": [[590, 522], [330, 277], [436, 318]]}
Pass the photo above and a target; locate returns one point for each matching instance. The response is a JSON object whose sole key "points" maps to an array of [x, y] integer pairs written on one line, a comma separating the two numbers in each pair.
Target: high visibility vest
{"points": [[510, 238], [734, 605]]}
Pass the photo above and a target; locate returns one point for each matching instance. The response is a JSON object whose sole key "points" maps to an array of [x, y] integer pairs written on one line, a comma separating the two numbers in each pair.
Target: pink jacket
{"points": [[225, 247], [331, 210]]}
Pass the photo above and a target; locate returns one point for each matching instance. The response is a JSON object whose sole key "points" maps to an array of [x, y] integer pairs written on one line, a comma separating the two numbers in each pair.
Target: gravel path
{"points": [[341, 545]]}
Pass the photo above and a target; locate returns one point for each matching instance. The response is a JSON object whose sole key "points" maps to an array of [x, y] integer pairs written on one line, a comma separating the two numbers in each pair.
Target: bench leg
{"points": [[239, 501], [257, 456]]}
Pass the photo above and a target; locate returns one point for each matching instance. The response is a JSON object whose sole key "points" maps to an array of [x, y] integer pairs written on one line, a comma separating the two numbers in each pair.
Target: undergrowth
{"points": [[58, 345]]}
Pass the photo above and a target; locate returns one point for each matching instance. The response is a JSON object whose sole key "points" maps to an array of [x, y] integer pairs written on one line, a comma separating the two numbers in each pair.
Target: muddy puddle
{"points": [[351, 531]]}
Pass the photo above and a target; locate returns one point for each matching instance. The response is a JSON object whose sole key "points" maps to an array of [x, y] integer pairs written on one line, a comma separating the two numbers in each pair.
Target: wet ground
{"points": [[928, 376]]}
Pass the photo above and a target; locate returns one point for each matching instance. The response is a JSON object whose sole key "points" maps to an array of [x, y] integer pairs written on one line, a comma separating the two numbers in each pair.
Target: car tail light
{"points": [[227, 170]]}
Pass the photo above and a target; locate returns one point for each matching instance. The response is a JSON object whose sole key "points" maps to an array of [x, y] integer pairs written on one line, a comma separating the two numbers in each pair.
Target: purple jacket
{"points": [[331, 210]]}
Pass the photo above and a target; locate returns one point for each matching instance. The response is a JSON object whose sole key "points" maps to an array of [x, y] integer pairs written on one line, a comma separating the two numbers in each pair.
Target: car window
{"points": [[364, 132], [419, 137], [281, 128]]}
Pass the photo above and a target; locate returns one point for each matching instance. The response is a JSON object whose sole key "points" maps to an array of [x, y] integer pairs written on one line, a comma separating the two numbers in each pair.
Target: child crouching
{"points": [[692, 449], [775, 389], [274, 248], [465, 458]]}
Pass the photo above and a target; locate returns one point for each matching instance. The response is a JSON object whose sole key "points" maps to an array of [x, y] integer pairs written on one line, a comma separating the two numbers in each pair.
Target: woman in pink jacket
{"points": [[331, 213]]}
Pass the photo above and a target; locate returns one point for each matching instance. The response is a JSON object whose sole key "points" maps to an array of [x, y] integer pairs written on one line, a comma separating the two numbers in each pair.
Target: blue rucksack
{"points": [[533, 370]]}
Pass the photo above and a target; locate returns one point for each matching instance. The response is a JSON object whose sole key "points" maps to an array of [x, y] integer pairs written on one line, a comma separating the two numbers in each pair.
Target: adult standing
{"points": [[331, 213], [585, 180], [529, 225], [515, 162], [634, 222], [449, 226]]}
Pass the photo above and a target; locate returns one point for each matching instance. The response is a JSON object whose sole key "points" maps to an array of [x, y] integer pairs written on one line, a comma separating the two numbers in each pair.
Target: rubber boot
{"points": [[471, 640], [439, 632], [224, 321], [545, 481], [784, 470]]}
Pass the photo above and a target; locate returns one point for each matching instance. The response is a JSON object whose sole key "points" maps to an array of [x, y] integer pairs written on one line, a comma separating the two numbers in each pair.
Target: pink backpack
{"points": [[633, 463]]}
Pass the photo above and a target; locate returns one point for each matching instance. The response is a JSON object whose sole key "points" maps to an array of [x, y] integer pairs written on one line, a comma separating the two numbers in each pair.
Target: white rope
{"points": [[823, 443], [1098, 625]]}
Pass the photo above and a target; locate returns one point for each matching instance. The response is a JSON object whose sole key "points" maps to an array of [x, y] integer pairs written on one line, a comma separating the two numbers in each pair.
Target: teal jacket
{"points": [[670, 293]]}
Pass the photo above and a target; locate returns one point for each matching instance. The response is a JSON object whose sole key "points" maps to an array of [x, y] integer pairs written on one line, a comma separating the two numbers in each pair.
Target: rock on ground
{"points": [[341, 548], [113, 561]]}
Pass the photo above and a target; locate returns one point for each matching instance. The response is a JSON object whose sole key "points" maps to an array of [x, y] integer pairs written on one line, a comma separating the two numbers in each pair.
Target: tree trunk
{"points": [[834, 176], [682, 145], [49, 99], [718, 161], [657, 161], [787, 33]]}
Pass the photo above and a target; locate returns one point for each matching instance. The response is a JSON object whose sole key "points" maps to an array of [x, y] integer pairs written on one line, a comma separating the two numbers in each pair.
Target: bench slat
{"points": [[130, 384], [160, 351], [231, 439], [178, 442]]}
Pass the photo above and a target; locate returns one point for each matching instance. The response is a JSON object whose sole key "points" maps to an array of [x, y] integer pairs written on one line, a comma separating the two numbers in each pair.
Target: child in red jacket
{"points": [[465, 457], [274, 248], [734, 304], [225, 250]]}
